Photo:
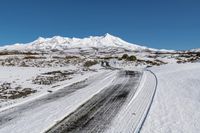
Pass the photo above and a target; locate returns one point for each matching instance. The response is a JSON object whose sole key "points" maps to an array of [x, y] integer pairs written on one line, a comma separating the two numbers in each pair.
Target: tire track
{"points": [[156, 80]]}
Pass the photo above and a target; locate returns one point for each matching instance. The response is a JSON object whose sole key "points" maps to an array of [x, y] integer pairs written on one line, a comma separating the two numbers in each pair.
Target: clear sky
{"points": [[169, 24]]}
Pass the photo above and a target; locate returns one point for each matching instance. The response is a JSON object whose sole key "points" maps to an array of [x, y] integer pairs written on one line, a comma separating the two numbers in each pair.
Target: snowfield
{"points": [[164, 99], [176, 106]]}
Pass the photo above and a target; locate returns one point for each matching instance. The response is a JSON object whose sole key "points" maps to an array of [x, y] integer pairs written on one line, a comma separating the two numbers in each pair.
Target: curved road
{"points": [[97, 113], [113, 102]]}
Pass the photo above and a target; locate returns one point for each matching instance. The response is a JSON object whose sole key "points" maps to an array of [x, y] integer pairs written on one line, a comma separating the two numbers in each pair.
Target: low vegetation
{"points": [[150, 62], [52, 77], [132, 58], [5, 52], [129, 58], [90, 63], [34, 57], [124, 56], [7, 91]]}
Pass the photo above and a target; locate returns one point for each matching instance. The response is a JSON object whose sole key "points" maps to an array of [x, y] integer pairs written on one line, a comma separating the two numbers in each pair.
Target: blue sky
{"points": [[169, 24]]}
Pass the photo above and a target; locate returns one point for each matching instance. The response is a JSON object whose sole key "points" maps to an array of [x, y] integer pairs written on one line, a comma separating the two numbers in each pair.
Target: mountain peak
{"points": [[57, 37], [58, 40], [39, 40], [107, 35]]}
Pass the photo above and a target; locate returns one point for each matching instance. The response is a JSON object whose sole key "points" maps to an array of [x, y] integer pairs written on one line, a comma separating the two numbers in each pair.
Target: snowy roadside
{"points": [[176, 107], [22, 76], [40, 114]]}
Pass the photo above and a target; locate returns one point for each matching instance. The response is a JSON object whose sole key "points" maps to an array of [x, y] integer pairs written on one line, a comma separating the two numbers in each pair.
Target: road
{"points": [[118, 98], [97, 113]]}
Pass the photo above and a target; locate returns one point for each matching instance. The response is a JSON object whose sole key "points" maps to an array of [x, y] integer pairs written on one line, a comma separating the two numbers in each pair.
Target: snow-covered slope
{"points": [[62, 43], [176, 106], [195, 50]]}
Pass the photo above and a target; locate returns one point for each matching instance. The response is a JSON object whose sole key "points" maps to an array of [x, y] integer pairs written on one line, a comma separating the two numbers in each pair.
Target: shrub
{"points": [[33, 57], [129, 58], [124, 56], [132, 58], [71, 57], [179, 62], [90, 63]]}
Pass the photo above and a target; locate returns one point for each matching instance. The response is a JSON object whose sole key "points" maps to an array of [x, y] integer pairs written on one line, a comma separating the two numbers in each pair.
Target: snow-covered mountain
{"points": [[63, 43], [195, 50]]}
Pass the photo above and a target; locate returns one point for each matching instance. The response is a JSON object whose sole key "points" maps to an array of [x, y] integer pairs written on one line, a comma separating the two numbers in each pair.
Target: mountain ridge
{"points": [[62, 43]]}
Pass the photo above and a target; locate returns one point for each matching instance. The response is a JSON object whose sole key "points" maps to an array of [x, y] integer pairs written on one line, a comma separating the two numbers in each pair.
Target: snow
{"points": [[39, 118], [195, 50], [17, 76], [132, 115], [58, 42], [176, 107]]}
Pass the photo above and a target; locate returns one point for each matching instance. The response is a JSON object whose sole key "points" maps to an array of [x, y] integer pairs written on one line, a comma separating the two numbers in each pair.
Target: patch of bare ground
{"points": [[52, 77], [7, 91], [151, 63]]}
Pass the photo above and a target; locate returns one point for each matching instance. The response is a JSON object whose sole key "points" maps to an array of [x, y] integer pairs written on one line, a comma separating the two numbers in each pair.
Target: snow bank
{"points": [[176, 106]]}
